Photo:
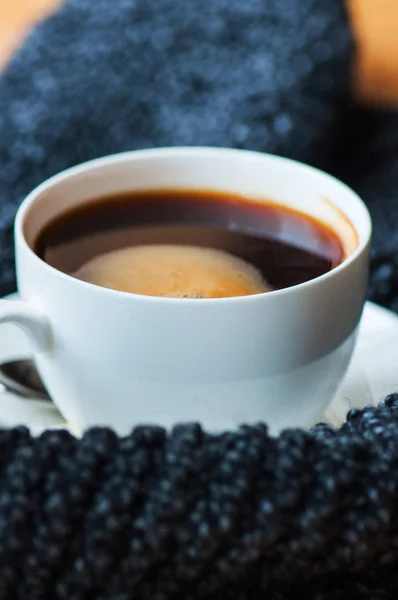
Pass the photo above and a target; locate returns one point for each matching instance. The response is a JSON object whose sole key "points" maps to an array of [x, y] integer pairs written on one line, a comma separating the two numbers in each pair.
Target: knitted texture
{"points": [[190, 515]]}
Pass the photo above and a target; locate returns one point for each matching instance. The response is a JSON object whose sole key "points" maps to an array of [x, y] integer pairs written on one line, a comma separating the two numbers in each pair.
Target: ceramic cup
{"points": [[118, 359]]}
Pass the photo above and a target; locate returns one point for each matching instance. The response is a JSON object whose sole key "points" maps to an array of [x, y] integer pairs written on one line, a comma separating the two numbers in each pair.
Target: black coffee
{"points": [[188, 244]]}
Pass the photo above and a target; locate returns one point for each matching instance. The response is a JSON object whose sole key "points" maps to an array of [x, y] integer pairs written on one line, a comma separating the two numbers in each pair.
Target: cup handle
{"points": [[36, 325]]}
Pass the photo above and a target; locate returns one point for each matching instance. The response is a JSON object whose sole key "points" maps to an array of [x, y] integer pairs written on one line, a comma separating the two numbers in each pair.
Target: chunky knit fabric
{"points": [[189, 515], [186, 516]]}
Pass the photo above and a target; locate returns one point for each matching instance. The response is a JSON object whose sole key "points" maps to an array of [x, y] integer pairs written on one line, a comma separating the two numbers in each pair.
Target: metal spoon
{"points": [[21, 377]]}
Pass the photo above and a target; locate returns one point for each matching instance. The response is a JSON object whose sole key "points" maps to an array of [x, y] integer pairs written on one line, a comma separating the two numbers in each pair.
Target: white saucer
{"points": [[373, 372], [372, 375]]}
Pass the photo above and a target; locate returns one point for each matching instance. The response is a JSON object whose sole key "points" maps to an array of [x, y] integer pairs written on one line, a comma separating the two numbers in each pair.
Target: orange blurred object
{"points": [[16, 18], [375, 26], [375, 23]]}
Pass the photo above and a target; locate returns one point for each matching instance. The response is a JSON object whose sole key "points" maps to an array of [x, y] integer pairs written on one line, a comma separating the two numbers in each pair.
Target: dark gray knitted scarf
{"points": [[187, 515]]}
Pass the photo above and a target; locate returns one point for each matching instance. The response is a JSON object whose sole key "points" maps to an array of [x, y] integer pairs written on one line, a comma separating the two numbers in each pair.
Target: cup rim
{"points": [[191, 151]]}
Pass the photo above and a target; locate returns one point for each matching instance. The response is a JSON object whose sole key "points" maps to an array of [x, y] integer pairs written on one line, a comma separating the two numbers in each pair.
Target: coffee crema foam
{"points": [[174, 271]]}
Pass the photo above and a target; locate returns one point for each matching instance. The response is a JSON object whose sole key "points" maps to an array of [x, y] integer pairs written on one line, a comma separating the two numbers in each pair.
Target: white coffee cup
{"points": [[118, 359]]}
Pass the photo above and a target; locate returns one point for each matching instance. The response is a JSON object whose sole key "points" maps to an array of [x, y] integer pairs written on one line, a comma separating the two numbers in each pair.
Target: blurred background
{"points": [[17, 17], [375, 23]]}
